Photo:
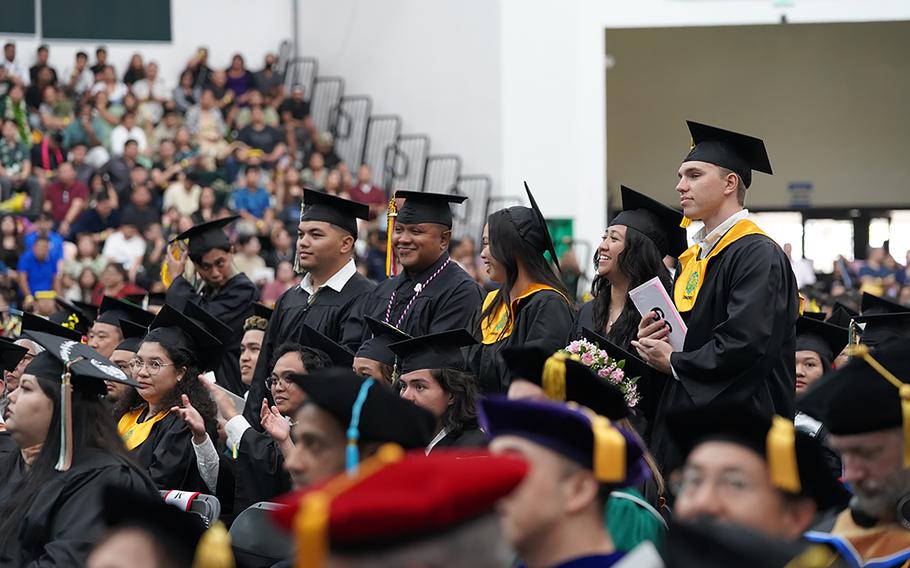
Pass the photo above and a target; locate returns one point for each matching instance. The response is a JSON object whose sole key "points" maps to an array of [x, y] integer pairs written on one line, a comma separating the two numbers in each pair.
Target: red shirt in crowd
{"points": [[62, 197]]}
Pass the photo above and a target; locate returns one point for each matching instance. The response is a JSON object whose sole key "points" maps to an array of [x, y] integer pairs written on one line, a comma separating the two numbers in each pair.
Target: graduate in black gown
{"points": [[326, 296], [105, 332], [433, 377], [532, 306], [432, 293], [735, 290], [375, 359], [50, 498], [219, 289], [167, 366], [10, 356]]}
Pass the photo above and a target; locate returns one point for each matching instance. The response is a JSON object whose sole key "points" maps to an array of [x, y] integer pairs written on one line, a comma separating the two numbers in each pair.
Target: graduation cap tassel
{"points": [[65, 459], [553, 377], [391, 267], [312, 530], [781, 449], [609, 451], [352, 452], [685, 222], [214, 548]]}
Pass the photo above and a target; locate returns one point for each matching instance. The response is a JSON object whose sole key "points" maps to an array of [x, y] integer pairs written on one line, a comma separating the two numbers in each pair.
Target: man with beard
{"points": [[866, 406]]}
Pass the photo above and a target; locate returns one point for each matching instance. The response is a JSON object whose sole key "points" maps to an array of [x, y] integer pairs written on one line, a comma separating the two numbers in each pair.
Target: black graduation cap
{"points": [[841, 315], [821, 337], [209, 323], [113, 310], [532, 226], [731, 150], [582, 385], [384, 416], [146, 300], [435, 351], [89, 371], [384, 335], [207, 236], [178, 327], [742, 425], [32, 323], [177, 531], [817, 316], [262, 311], [339, 354], [654, 220], [343, 213], [633, 366], [884, 320], [133, 334], [74, 317], [425, 207], [10, 354]]}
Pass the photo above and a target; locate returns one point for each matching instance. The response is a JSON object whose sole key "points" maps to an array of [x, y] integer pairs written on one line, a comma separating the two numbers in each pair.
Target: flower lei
{"points": [[606, 368]]}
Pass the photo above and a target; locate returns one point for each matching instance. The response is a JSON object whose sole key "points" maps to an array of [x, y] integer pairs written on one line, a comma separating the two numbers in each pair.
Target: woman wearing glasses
{"points": [[166, 367]]}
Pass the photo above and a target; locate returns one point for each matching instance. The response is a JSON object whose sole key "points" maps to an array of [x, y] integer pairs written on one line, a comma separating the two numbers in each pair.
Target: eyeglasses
{"points": [[154, 366], [727, 485], [273, 380]]}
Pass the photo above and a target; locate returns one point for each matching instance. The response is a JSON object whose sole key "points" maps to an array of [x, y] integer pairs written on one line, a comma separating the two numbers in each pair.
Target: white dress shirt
{"points": [[336, 282]]}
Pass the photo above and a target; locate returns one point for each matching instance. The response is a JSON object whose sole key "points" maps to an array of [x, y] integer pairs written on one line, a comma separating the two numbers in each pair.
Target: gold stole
{"points": [[692, 270], [498, 325], [874, 542], [134, 432]]}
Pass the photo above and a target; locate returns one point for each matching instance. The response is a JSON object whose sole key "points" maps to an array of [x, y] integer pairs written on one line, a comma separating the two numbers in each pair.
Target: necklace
{"points": [[418, 288]]}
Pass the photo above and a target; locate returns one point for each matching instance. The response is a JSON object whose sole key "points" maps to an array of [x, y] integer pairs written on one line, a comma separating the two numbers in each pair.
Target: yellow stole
{"points": [[692, 270], [498, 325], [134, 432], [874, 542]]}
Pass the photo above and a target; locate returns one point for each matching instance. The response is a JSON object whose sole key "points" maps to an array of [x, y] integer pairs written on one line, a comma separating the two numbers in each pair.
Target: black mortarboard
{"points": [[339, 354], [633, 366], [384, 335], [133, 333], [343, 213], [731, 150], [74, 317], [821, 337], [89, 371], [582, 385], [884, 320], [817, 316], [10, 354], [661, 224], [220, 330], [841, 315], [207, 236], [181, 329], [745, 427], [262, 311], [113, 310], [384, 416], [532, 226], [146, 300], [435, 351], [176, 531], [424, 207], [32, 323]]}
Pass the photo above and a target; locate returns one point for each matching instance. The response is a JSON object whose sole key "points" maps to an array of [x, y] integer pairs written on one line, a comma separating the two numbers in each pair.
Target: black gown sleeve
{"points": [[259, 470], [735, 353]]}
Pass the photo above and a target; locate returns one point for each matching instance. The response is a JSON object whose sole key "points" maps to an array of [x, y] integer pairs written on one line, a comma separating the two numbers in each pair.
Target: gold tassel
{"points": [[609, 451], [685, 222], [802, 304], [214, 548], [391, 269], [816, 556], [65, 459], [781, 450], [553, 377]]}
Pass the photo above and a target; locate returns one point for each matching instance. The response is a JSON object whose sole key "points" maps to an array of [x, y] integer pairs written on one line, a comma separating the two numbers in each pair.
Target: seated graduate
{"points": [[555, 516], [745, 469], [633, 513], [374, 359], [69, 450], [254, 329], [105, 333], [433, 377], [402, 509], [531, 306], [167, 366], [10, 357], [143, 530], [346, 417], [122, 397]]}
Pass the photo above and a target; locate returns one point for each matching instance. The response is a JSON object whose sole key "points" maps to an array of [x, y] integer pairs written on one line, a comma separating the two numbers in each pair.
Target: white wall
{"points": [[224, 26]]}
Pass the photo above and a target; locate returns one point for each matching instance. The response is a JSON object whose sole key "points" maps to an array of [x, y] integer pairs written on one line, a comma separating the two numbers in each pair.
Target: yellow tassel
{"points": [[781, 450], [685, 222], [214, 548], [609, 451], [903, 389], [391, 268], [553, 377], [802, 304], [312, 529]]}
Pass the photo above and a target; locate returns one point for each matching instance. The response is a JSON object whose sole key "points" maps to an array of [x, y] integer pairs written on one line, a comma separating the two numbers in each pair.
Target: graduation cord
{"points": [[420, 287]]}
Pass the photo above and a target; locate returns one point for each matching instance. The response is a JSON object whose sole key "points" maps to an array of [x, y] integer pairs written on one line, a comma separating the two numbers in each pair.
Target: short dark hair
{"points": [[42, 47], [9, 44], [81, 54], [311, 358], [100, 49], [130, 141], [461, 414], [740, 186]]}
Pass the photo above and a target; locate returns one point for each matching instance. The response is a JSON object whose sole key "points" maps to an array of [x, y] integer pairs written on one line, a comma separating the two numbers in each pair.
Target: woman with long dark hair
{"points": [[531, 306], [68, 452], [631, 252], [167, 365]]}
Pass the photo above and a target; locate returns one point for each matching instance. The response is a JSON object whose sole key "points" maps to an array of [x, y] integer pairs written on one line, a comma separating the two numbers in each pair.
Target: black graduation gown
{"points": [[64, 521], [467, 438], [258, 470], [167, 456], [543, 319], [232, 304], [740, 347], [327, 315], [449, 302]]}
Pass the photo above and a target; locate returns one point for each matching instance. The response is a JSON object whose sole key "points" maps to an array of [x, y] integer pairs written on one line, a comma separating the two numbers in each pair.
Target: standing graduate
{"points": [[531, 307], [68, 452], [325, 297], [432, 293], [220, 290], [735, 290]]}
